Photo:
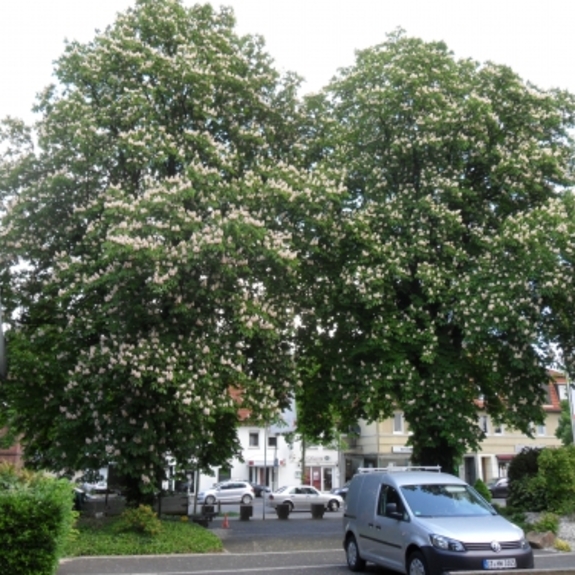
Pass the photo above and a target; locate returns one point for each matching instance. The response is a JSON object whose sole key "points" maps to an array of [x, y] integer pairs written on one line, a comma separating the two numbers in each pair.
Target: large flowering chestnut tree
{"points": [[447, 282], [146, 246]]}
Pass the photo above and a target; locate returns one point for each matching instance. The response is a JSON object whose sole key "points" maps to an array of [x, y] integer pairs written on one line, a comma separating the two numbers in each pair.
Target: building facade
{"points": [[274, 459], [384, 443]]}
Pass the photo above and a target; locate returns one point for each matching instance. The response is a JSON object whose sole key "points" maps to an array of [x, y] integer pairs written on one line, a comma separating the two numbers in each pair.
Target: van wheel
{"points": [[354, 561], [210, 500], [246, 499], [416, 564]]}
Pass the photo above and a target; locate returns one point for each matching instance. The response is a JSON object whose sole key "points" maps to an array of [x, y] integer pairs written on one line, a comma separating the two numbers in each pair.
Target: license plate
{"points": [[499, 564]]}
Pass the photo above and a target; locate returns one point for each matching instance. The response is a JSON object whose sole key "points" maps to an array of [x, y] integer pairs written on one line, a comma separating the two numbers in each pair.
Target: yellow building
{"points": [[384, 443]]}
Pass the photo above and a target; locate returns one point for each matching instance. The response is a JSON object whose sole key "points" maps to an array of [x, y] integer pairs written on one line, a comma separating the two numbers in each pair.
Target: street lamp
{"points": [[275, 483], [570, 401], [265, 468], [3, 359]]}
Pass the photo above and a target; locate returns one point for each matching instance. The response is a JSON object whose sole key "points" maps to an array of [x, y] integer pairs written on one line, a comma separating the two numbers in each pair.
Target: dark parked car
{"points": [[259, 490], [342, 490], [499, 487], [182, 486]]}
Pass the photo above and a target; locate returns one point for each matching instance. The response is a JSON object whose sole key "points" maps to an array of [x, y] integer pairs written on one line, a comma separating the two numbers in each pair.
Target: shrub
{"points": [[557, 469], [524, 464], [528, 494], [526, 489], [36, 519], [142, 519], [561, 545], [12, 478], [543, 480], [547, 522], [482, 489]]}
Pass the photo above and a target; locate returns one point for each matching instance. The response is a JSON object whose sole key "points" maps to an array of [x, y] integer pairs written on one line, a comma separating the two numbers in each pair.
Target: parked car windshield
{"points": [[444, 501]]}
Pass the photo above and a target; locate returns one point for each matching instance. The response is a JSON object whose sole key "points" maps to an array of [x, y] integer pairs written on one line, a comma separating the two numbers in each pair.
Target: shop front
{"points": [[320, 472]]}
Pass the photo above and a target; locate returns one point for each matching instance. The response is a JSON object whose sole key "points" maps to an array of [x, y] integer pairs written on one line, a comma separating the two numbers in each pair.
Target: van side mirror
{"points": [[391, 511]]}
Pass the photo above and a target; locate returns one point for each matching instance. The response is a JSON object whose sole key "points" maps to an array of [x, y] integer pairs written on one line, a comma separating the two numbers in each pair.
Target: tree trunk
{"points": [[133, 494], [441, 454], [302, 460]]}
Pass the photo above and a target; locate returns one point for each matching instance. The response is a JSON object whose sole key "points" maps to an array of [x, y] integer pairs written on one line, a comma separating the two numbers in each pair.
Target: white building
{"points": [[269, 459]]}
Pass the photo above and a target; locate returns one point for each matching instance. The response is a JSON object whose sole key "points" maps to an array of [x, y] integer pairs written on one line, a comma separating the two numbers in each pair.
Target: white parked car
{"points": [[301, 498], [228, 492]]}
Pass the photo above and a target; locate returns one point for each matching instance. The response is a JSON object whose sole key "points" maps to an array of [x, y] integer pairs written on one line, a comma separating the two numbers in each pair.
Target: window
{"points": [[447, 500], [547, 394], [254, 439], [272, 441], [498, 429], [389, 502], [541, 430], [483, 423], [562, 392], [398, 423]]}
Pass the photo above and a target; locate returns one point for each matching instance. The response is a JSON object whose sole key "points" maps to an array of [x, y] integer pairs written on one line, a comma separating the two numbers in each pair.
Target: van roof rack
{"points": [[394, 468]]}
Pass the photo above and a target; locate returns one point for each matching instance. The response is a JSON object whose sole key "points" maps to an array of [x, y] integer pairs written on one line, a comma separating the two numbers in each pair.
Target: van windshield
{"points": [[444, 501]]}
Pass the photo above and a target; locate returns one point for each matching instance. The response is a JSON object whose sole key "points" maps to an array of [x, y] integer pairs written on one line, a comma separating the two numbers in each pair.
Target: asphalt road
{"points": [[296, 546]]}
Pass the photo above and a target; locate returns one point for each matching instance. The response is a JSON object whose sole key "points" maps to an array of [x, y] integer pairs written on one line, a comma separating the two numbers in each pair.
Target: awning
{"points": [[505, 457]]}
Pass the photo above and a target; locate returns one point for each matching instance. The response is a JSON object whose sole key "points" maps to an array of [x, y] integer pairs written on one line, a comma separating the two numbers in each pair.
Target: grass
{"points": [[97, 536]]}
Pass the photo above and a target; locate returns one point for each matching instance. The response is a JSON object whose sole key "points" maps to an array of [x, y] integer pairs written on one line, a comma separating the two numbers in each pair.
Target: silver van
{"points": [[422, 522]]}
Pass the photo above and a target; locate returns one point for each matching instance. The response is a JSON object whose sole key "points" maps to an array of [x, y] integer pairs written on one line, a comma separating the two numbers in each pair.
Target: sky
{"points": [[311, 37]]}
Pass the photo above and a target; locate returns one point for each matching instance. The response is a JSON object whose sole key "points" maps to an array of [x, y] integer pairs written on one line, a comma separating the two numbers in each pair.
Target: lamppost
{"points": [[3, 360], [570, 401], [265, 468], [275, 483]]}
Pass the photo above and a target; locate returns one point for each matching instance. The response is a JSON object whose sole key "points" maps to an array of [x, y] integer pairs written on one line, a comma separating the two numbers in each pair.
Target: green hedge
{"points": [[557, 469], [36, 518], [543, 480]]}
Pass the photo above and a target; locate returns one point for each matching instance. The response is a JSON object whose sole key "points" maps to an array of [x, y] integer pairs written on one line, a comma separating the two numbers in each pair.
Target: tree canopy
{"points": [[182, 235], [564, 431], [146, 245], [448, 264]]}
